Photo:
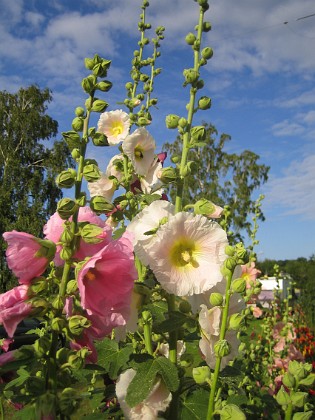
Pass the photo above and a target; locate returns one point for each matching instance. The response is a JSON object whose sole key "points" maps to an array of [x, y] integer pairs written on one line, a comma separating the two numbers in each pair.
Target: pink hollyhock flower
{"points": [[186, 254], [55, 226], [13, 308], [85, 340], [7, 357], [105, 281], [6, 344], [28, 256], [257, 311], [250, 274], [157, 401], [115, 125]]}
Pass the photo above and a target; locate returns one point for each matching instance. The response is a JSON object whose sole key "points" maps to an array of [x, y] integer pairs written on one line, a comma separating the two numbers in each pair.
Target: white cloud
{"points": [[294, 191], [287, 128]]}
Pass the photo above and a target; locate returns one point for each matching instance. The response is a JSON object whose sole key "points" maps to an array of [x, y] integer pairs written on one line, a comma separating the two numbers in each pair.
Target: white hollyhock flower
{"points": [[115, 125], [157, 401], [148, 220], [210, 322], [151, 183], [140, 148], [186, 254], [104, 187], [164, 349], [113, 169]]}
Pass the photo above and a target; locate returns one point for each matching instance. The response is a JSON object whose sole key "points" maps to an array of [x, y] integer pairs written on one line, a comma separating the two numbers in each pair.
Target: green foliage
{"points": [[28, 168], [226, 179]]}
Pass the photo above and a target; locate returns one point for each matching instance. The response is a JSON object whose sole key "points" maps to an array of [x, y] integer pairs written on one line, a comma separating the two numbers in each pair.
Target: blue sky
{"points": [[261, 80]]}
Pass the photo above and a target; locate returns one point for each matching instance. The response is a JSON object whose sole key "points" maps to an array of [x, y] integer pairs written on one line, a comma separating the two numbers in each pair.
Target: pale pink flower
{"points": [[148, 220], [164, 349], [210, 324], [132, 322], [14, 308], [257, 311], [103, 187], [186, 254], [140, 148], [115, 125], [157, 401], [55, 226], [28, 256], [250, 274], [217, 212], [105, 281]]}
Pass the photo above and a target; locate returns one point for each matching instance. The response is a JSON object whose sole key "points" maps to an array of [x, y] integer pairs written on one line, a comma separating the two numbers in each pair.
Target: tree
{"points": [[28, 193], [226, 179]]}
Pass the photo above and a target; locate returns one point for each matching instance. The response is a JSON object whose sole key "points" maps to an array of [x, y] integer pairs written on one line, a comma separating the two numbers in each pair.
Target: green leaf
{"points": [[237, 400], [232, 412], [299, 398], [175, 321], [23, 375], [169, 373], [195, 406], [112, 358], [142, 383], [303, 416], [308, 381]]}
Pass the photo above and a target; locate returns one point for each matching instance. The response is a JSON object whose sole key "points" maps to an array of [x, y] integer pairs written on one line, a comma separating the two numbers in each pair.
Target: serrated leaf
{"points": [[195, 406], [169, 373], [119, 361], [142, 383], [111, 358], [176, 320], [23, 375]]}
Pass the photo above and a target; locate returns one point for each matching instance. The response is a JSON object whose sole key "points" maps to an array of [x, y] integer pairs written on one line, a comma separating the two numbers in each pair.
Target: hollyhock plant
{"points": [[140, 149], [186, 254], [250, 274], [28, 256], [157, 401], [105, 281], [115, 125], [103, 187], [14, 308]]}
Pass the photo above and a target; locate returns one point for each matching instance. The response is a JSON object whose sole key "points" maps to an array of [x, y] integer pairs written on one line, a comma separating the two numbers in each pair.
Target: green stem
{"points": [[147, 330], [172, 334], [288, 412], [224, 325]]}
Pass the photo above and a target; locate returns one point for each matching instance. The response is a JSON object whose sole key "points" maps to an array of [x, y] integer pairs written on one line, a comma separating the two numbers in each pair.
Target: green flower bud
{"points": [[100, 205], [191, 76], [147, 317], [184, 307], [201, 374], [57, 324], [66, 208], [288, 380], [229, 250], [182, 122], [88, 84], [168, 175], [72, 139], [81, 199], [99, 139], [232, 412], [66, 179], [230, 263], [104, 86], [77, 323], [190, 168], [204, 207], [206, 27], [42, 345], [75, 361], [72, 287], [238, 285], [216, 299], [100, 69], [99, 105], [190, 38], [171, 121], [204, 4], [47, 249], [204, 103], [222, 348], [58, 302], [143, 121], [236, 322], [75, 153], [200, 84], [186, 360], [79, 111], [241, 252], [198, 134], [66, 253], [129, 85], [91, 172], [89, 63], [38, 285], [77, 123], [91, 234], [175, 159], [207, 53]]}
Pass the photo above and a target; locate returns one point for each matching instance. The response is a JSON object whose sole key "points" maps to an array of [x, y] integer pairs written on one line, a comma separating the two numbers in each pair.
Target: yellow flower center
{"points": [[183, 253], [138, 152], [116, 128]]}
